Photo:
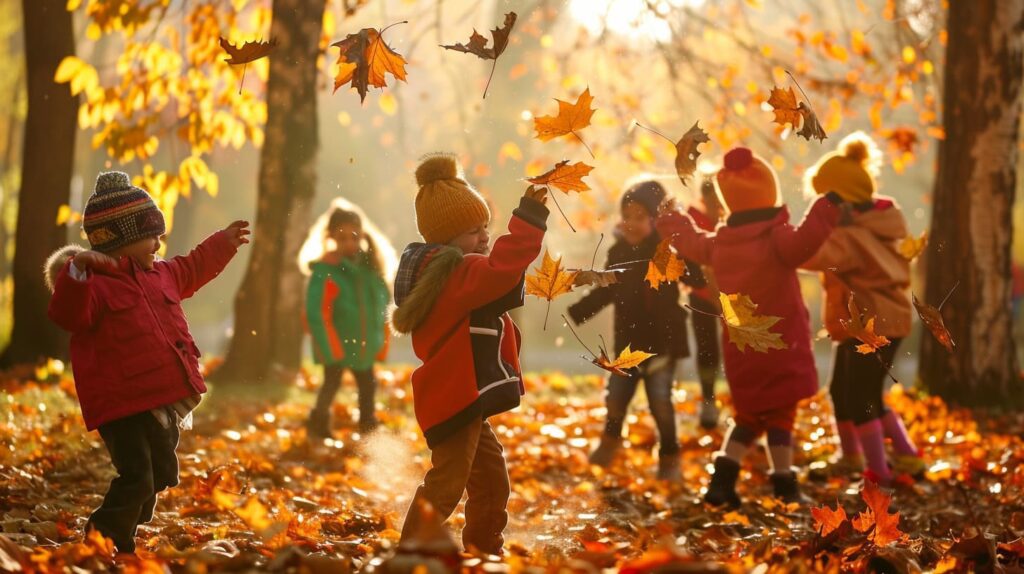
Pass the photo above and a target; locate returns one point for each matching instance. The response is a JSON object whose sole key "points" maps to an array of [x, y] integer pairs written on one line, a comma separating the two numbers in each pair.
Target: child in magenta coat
{"points": [[756, 253], [135, 364]]}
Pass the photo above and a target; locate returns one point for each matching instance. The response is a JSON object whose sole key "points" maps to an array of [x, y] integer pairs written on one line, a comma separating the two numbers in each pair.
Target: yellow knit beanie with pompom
{"points": [[849, 171], [446, 205]]}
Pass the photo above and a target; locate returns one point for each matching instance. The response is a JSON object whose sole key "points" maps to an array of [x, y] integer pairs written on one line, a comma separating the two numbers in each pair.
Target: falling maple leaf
{"points": [[783, 103], [549, 281], [746, 329], [911, 247], [826, 520], [627, 359], [477, 45], [881, 527], [364, 60], [812, 127], [248, 52], [863, 332], [565, 177], [932, 318], [570, 119], [686, 149], [664, 266]]}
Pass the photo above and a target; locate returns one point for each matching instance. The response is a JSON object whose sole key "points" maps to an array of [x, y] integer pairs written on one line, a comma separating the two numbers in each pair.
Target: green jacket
{"points": [[346, 305]]}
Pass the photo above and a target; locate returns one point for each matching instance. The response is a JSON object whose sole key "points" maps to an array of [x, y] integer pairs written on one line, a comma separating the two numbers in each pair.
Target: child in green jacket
{"points": [[346, 305]]}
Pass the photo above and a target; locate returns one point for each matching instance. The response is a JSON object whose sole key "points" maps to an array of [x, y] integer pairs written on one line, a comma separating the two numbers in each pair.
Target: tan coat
{"points": [[863, 257]]}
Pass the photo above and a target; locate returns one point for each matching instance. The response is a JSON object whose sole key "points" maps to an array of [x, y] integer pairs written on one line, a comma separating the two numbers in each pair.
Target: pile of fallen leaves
{"points": [[256, 495]]}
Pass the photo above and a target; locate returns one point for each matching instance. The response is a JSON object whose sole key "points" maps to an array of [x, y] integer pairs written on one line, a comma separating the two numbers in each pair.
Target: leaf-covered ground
{"points": [[255, 495]]}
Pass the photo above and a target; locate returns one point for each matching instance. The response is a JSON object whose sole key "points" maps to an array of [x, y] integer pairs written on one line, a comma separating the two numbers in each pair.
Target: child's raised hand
{"points": [[95, 261], [537, 193], [238, 232]]}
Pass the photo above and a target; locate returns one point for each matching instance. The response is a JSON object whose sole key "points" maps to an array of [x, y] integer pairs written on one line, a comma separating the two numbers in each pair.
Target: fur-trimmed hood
{"points": [[56, 261], [422, 272]]}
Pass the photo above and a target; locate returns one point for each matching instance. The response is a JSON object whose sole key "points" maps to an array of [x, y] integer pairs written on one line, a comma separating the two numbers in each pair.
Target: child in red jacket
{"points": [[756, 253], [453, 293], [135, 364]]}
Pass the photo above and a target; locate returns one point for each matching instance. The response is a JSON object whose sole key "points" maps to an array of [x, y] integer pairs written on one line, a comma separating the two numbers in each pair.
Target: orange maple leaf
{"points": [[664, 266], [549, 281], [783, 103], [248, 52], [570, 119], [747, 329], [863, 332], [882, 528], [686, 149], [565, 177], [911, 247], [477, 45], [627, 359], [364, 60], [826, 520]]}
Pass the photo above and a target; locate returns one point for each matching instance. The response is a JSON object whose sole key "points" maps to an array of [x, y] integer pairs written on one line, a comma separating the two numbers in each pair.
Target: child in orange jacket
{"points": [[453, 293], [861, 259]]}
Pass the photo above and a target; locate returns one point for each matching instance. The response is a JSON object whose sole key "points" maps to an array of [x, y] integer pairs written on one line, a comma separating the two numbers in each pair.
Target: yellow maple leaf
{"points": [[549, 281], [627, 359], [364, 59], [664, 267], [783, 103], [570, 119], [565, 177], [911, 246], [746, 329]]}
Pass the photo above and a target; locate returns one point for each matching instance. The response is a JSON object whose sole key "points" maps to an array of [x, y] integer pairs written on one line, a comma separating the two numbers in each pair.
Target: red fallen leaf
{"points": [[932, 318], [826, 520], [882, 528]]}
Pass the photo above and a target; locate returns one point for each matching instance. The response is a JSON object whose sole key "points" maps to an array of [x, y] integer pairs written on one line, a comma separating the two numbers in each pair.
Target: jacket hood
{"points": [[56, 261], [422, 273], [734, 232], [884, 220]]}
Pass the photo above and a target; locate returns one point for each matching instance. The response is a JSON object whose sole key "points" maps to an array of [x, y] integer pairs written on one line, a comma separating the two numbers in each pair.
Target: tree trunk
{"points": [[971, 218], [47, 161], [268, 329]]}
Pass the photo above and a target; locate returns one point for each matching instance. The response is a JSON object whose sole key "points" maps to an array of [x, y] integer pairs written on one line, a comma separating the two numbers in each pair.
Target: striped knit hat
{"points": [[119, 213]]}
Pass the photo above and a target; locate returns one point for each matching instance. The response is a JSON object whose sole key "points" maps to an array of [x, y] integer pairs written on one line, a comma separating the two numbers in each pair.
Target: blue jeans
{"points": [[658, 386]]}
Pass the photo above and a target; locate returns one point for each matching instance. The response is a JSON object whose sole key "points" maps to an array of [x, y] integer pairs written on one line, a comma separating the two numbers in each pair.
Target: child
{"points": [[861, 259], [756, 253], [453, 293], [136, 366], [704, 298], [646, 319], [346, 304]]}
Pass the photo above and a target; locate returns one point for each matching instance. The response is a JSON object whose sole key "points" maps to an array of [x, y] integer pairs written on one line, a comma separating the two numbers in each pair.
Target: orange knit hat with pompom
{"points": [[446, 204], [746, 181]]}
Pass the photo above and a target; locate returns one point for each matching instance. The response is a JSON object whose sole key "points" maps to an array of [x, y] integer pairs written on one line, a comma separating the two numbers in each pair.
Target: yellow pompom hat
{"points": [[849, 171], [446, 204]]}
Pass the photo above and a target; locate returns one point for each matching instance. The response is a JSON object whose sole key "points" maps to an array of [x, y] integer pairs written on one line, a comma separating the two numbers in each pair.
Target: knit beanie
{"points": [[648, 194], [846, 171], [118, 213], [446, 205], [746, 181]]}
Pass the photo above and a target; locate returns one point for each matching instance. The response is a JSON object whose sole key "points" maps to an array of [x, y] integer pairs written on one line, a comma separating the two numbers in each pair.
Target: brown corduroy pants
{"points": [[470, 461]]}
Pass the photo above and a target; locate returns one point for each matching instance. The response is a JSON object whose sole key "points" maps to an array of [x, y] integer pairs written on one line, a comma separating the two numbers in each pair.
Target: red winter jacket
{"points": [[460, 299], [131, 350], [757, 253]]}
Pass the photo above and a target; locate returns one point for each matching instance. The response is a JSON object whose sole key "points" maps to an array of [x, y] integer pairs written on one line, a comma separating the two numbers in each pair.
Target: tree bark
{"points": [[971, 218], [47, 162], [268, 330]]}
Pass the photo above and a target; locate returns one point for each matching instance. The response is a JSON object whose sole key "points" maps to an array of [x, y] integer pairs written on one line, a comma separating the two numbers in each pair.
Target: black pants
{"points": [[366, 383], [142, 451], [858, 381]]}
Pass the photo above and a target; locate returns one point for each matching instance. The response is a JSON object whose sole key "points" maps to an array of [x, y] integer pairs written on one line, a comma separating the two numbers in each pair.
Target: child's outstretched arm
{"points": [[73, 305], [480, 280], [795, 245], [692, 243], [836, 255], [590, 304], [320, 296], [208, 259]]}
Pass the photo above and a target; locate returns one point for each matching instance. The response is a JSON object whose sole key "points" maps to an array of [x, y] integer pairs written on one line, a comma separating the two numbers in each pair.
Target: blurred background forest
{"points": [[148, 92]]}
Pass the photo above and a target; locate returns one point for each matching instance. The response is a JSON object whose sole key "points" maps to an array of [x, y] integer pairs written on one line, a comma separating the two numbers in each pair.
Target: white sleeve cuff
{"points": [[76, 273]]}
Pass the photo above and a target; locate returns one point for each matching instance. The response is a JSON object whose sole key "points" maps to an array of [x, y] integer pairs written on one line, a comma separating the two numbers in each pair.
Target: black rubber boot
{"points": [[722, 490], [787, 488]]}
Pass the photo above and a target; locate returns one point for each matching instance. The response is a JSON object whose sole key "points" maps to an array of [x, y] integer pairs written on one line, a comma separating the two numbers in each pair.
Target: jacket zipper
{"points": [[159, 325], [501, 339], [362, 316]]}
